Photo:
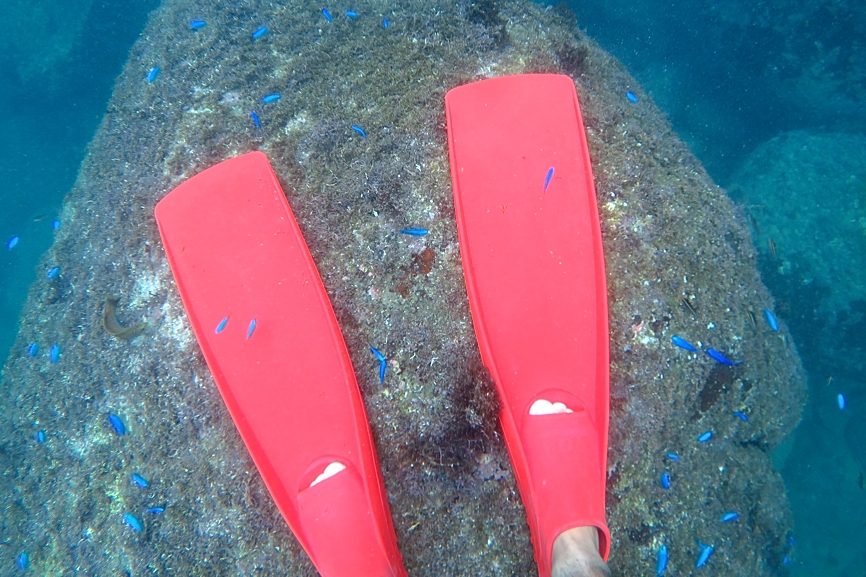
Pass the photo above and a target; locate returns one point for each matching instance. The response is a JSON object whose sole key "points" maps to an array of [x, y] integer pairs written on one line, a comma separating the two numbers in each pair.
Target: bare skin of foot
{"points": [[575, 554]]}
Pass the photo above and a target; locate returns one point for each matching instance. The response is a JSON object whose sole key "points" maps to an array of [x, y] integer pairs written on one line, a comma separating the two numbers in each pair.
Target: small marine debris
{"points": [[687, 304], [829, 380], [115, 329], [55, 353], [662, 560], [672, 456], [260, 32], [351, 14], [705, 437], [414, 231], [741, 415], [383, 364], [719, 357], [139, 480], [256, 121], [771, 319], [55, 224], [152, 74], [547, 178], [117, 423], [385, 22], [40, 437], [683, 344], [52, 274], [12, 242], [631, 97], [197, 24], [221, 326], [23, 561], [665, 481], [133, 522], [271, 98], [706, 551], [772, 246], [359, 130], [155, 510], [327, 15], [840, 401], [33, 350], [730, 516]]}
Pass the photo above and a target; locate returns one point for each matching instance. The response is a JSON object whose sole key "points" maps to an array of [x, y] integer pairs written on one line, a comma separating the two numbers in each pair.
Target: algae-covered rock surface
{"points": [[680, 261]]}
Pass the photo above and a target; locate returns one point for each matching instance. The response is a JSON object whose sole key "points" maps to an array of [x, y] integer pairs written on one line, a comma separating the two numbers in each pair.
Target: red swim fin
{"points": [[532, 257], [280, 361]]}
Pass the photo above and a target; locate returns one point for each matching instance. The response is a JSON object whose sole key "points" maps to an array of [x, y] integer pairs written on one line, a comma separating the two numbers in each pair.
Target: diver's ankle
{"points": [[575, 554]]}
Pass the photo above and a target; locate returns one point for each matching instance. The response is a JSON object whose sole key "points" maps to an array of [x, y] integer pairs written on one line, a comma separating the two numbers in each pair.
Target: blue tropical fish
{"points": [[547, 178], [771, 319], [359, 130], [197, 24], [683, 344], [152, 74], [271, 98], [117, 423], [383, 363], [414, 231], [260, 32], [327, 15], [133, 522], [719, 357], [256, 121], [662, 561]]}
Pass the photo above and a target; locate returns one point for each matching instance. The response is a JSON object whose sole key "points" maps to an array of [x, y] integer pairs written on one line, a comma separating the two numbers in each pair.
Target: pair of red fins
{"points": [[532, 257]]}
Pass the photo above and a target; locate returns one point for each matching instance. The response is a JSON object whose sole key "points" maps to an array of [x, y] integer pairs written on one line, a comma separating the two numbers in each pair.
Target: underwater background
{"points": [[769, 97]]}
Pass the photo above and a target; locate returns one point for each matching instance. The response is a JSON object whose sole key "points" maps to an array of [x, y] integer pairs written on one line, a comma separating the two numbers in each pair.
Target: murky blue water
{"points": [[769, 96]]}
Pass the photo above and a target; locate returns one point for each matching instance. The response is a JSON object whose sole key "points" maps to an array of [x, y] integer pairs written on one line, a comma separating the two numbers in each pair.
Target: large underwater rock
{"points": [[670, 235]]}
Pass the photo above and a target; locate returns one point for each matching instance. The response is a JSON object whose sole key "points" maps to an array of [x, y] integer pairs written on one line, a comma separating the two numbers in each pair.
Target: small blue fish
{"points": [[221, 326], [742, 416], [351, 14], [152, 74], [359, 130], [383, 364], [156, 510], [197, 24], [54, 272], [385, 22], [271, 98], [665, 481], [683, 344], [662, 562], [40, 437], [251, 329], [327, 15], [706, 551], [414, 231], [719, 357], [55, 353], [55, 224], [133, 522], [547, 178], [705, 437], [12, 242], [771, 319], [731, 516], [260, 32], [256, 121], [631, 97], [840, 401], [672, 456], [117, 423], [23, 561], [139, 480], [33, 350]]}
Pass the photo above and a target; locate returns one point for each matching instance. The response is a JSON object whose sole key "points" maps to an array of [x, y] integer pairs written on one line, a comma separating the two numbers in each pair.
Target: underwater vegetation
{"points": [[357, 137]]}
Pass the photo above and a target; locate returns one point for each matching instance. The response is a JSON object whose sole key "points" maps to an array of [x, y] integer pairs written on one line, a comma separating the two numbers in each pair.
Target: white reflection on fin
{"points": [[329, 471], [545, 407]]}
